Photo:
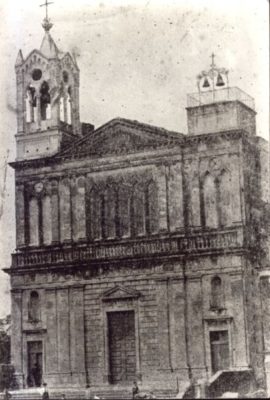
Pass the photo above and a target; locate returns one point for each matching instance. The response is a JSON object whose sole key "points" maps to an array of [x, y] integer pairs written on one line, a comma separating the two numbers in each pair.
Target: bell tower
{"points": [[218, 107], [47, 99]]}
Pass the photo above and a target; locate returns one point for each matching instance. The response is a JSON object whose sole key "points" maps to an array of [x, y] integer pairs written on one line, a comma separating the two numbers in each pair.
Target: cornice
{"points": [[180, 143]]}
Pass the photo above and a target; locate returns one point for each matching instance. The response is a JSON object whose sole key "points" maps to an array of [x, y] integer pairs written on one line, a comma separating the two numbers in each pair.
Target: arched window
{"points": [[224, 198], [34, 307], [110, 212], [210, 202], [33, 222], [45, 101], [95, 208], [65, 210], [138, 210], [62, 113], [151, 207], [78, 209], [68, 105], [47, 219], [216, 293], [31, 104], [65, 106], [102, 215], [124, 196]]}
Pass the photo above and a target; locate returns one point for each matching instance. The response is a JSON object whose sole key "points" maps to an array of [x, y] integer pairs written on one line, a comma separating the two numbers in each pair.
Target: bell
{"points": [[220, 81], [205, 83]]}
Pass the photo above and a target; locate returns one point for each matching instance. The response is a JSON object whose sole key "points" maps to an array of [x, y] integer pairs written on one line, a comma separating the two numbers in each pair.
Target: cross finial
{"points": [[46, 23], [213, 60]]}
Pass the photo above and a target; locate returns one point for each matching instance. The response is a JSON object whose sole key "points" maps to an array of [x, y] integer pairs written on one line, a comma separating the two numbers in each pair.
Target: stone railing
{"points": [[142, 247], [226, 94]]}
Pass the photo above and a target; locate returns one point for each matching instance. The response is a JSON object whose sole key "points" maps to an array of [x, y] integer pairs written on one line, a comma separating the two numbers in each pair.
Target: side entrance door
{"points": [[122, 348], [220, 352], [35, 367]]}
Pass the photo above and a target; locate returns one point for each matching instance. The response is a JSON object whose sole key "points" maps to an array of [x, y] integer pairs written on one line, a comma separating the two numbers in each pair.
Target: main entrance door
{"points": [[122, 350], [34, 378], [220, 353]]}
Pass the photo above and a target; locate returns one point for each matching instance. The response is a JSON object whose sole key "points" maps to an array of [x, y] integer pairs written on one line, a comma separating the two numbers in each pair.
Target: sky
{"points": [[138, 59]]}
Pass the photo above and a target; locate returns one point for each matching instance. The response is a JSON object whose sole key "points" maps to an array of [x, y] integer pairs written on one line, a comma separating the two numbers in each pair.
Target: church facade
{"points": [[139, 250]]}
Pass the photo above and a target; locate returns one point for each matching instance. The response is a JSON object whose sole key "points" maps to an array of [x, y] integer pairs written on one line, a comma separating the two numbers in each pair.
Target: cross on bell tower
{"points": [[47, 25], [213, 60]]}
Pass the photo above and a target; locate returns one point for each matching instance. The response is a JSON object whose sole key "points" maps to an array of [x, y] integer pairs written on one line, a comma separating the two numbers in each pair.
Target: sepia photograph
{"points": [[134, 199]]}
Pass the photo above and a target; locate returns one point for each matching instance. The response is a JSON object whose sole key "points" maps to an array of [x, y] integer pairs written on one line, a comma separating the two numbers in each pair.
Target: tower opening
{"points": [[31, 104], [45, 102], [65, 106]]}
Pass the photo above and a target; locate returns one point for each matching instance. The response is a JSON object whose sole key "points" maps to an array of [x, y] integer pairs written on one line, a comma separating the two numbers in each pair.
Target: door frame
{"points": [[27, 357], [109, 348], [120, 306], [213, 325]]}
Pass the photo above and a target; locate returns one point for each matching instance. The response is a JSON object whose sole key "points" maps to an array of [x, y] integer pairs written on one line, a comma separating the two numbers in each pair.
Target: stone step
{"points": [[105, 394]]}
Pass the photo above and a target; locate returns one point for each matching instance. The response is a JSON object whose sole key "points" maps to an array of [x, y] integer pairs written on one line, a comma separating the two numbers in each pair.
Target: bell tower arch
{"points": [[48, 115]]}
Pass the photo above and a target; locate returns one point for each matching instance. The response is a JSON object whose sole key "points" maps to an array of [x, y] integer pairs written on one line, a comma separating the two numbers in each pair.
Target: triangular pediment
{"points": [[120, 293], [120, 137]]}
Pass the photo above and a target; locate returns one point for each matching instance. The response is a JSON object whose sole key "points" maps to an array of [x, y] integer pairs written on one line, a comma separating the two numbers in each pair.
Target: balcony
{"points": [[225, 240], [220, 95]]}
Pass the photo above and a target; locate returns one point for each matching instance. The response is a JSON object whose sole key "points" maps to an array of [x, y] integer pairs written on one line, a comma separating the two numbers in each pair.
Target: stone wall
{"points": [[172, 304], [221, 116], [180, 197]]}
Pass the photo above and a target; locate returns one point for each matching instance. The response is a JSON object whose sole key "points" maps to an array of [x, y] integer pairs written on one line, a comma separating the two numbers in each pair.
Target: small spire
{"points": [[48, 47], [19, 59]]}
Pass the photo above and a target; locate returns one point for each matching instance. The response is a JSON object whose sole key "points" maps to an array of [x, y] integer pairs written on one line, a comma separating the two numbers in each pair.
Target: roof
{"points": [[48, 47], [120, 136]]}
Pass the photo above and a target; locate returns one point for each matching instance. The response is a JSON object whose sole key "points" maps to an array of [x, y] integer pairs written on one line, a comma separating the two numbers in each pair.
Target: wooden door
{"points": [[35, 367], [220, 353], [122, 350]]}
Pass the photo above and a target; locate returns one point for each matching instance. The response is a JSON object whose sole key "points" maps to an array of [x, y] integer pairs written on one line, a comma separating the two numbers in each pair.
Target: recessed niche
{"points": [[36, 74]]}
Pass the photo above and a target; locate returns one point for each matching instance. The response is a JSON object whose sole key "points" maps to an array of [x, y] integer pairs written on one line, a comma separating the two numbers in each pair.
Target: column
{"points": [[33, 222], [65, 210], [178, 324], [162, 197], [37, 116], [47, 219], [20, 216], [51, 336], [192, 194], [77, 342], [55, 212], [63, 334], [164, 334], [176, 197], [195, 327], [16, 335], [78, 209]]}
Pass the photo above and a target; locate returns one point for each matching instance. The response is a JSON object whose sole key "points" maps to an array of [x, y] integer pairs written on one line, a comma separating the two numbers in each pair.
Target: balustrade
{"points": [[126, 249]]}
